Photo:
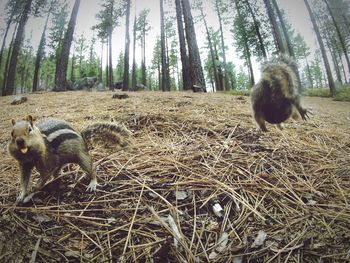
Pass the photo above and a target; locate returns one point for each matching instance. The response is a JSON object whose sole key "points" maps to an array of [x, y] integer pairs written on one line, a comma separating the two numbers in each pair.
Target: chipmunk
{"points": [[52, 143], [275, 97]]}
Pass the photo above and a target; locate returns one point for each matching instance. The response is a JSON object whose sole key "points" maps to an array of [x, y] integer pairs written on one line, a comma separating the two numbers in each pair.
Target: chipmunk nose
{"points": [[20, 142]]}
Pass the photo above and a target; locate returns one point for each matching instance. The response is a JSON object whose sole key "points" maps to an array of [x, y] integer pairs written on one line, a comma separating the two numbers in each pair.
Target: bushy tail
{"points": [[106, 131]]}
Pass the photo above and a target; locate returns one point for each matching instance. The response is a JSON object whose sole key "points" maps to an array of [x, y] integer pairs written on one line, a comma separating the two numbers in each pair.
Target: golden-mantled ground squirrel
{"points": [[52, 143], [275, 97]]}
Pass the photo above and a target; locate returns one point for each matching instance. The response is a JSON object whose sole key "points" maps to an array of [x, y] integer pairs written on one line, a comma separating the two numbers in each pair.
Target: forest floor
{"points": [[197, 183]]}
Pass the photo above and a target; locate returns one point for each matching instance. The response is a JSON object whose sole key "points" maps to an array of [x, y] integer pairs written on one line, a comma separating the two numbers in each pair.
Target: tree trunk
{"points": [[72, 77], [341, 38], [61, 70], [10, 83], [257, 30], [4, 40], [133, 78], [165, 71], [218, 87], [220, 76], [246, 47], [143, 55], [101, 65], [186, 79], [309, 71], [226, 84], [275, 29], [127, 47], [40, 54], [289, 43], [8, 61], [107, 68], [196, 70], [110, 67], [323, 51]]}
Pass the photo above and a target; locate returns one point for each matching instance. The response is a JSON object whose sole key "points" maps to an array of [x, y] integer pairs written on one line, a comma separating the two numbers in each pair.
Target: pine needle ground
{"points": [[197, 183]]}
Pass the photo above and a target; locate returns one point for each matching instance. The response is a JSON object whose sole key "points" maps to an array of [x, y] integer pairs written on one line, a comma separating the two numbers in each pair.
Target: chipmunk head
{"points": [[22, 134]]}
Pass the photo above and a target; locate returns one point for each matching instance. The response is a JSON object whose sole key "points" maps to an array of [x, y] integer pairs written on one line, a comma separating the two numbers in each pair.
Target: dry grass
{"points": [[188, 152]]}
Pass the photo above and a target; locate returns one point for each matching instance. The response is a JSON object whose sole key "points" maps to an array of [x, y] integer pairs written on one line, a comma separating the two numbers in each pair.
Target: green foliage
{"points": [[318, 92], [243, 81], [111, 11], [58, 27], [342, 94], [239, 92], [244, 25]]}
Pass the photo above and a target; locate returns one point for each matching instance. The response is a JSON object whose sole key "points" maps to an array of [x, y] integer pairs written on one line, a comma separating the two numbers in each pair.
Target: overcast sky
{"points": [[295, 11]]}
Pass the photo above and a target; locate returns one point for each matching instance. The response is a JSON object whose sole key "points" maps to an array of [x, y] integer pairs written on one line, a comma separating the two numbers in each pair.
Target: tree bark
{"points": [[323, 51], [8, 61], [127, 47], [196, 70], [226, 84], [218, 87], [133, 78], [257, 30], [40, 54], [275, 29], [10, 83], [165, 71], [110, 67], [289, 43], [186, 79], [246, 47], [61, 69], [8, 24], [101, 65], [143, 55], [340, 36]]}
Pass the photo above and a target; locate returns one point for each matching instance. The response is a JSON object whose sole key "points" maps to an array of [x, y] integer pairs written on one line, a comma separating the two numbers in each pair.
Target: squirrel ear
{"points": [[13, 122], [29, 118]]}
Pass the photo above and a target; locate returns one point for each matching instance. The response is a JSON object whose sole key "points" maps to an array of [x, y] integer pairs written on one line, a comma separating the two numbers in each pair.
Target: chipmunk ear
{"points": [[13, 122], [29, 118]]}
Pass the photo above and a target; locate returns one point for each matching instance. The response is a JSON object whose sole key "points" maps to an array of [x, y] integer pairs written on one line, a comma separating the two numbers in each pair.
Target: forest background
{"points": [[233, 38]]}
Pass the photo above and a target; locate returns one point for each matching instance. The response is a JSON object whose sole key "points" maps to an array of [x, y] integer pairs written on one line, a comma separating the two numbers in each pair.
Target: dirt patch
{"points": [[198, 183]]}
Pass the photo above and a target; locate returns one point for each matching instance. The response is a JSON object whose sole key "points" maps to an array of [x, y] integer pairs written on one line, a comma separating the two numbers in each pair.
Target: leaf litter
{"points": [[197, 183]]}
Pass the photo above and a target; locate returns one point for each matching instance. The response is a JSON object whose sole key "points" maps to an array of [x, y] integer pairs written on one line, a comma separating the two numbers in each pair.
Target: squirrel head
{"points": [[23, 132]]}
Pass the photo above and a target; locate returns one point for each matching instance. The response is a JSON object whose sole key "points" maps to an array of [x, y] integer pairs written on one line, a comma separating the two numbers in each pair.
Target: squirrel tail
{"points": [[106, 131]]}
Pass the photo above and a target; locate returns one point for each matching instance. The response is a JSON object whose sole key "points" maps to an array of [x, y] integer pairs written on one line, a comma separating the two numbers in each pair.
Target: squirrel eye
{"points": [[30, 129], [12, 134]]}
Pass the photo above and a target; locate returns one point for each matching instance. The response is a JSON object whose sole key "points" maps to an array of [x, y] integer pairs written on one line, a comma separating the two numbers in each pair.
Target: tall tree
{"points": [[275, 29], [62, 62], [41, 50], [165, 84], [257, 28], [213, 56], [288, 41], [220, 9], [12, 8], [323, 50], [107, 20], [133, 72], [10, 83], [8, 61], [143, 27], [127, 47], [340, 36], [242, 38], [80, 49], [186, 78], [196, 70]]}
